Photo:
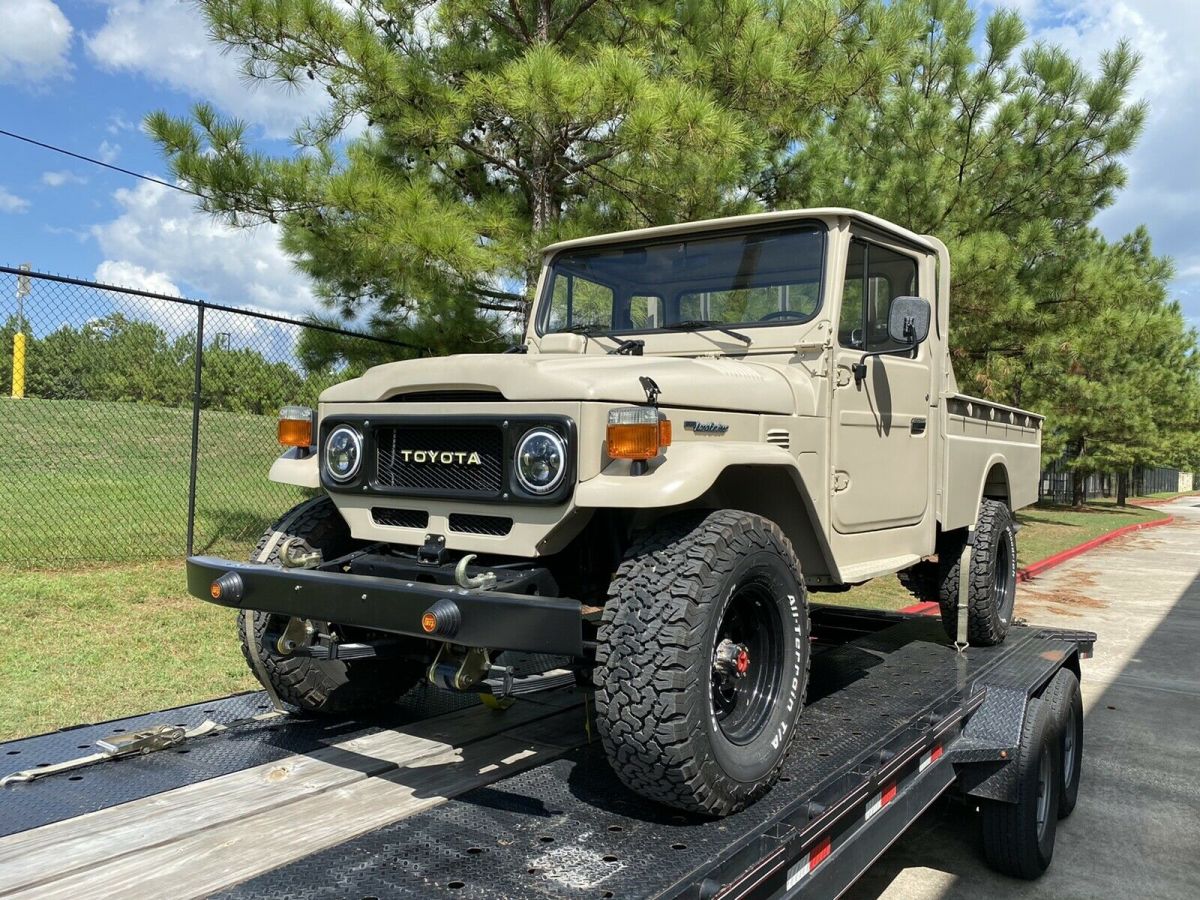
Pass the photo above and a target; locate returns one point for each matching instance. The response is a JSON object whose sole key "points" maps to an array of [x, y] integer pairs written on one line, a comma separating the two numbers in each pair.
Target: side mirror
{"points": [[908, 320]]}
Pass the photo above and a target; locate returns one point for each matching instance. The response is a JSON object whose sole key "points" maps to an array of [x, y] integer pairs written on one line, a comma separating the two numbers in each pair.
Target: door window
{"points": [[874, 277]]}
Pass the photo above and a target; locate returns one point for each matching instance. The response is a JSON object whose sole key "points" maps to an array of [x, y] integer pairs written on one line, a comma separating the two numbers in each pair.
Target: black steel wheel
{"points": [[702, 663], [992, 584], [747, 663]]}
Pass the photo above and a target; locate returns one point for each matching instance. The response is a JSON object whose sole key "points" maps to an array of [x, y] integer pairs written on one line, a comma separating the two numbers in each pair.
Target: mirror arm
{"points": [[860, 368]]}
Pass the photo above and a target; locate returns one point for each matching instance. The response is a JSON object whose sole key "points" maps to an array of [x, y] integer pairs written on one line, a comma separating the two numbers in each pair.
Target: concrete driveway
{"points": [[1136, 830]]}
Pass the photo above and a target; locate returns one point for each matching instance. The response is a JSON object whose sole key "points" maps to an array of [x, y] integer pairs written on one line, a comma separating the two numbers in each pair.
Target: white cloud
{"points": [[11, 203], [161, 238], [61, 177], [167, 41], [131, 275], [108, 152], [34, 41]]}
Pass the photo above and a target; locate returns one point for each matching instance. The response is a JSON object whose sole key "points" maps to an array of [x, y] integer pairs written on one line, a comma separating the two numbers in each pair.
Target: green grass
{"points": [[90, 645], [101, 482]]}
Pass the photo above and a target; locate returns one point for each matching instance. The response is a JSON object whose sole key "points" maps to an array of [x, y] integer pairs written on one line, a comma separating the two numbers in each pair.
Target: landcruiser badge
{"points": [[442, 457], [705, 427]]}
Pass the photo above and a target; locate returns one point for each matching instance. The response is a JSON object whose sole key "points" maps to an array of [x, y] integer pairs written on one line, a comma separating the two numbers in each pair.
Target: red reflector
{"points": [[889, 794], [818, 853], [936, 753]]}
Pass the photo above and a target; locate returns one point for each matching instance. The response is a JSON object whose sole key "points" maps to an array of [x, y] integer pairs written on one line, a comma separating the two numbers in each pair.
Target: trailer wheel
{"points": [[320, 685], [1066, 710], [702, 662], [992, 588], [1018, 838]]}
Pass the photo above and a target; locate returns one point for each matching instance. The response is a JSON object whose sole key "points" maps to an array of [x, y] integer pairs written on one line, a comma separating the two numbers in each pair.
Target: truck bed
{"points": [[445, 798]]}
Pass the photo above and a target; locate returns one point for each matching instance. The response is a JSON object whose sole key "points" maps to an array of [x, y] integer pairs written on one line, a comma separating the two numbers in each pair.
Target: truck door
{"points": [[881, 426]]}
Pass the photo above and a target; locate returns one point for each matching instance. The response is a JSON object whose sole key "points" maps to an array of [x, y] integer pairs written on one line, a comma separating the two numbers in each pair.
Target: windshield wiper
{"points": [[586, 328], [697, 324]]}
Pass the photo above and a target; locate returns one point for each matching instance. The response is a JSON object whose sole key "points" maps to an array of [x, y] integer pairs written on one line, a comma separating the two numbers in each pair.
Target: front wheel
{"points": [[702, 663], [327, 686]]}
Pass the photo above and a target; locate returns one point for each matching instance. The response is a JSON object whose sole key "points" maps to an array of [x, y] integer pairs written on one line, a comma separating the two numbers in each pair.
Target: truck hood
{"points": [[697, 383]]}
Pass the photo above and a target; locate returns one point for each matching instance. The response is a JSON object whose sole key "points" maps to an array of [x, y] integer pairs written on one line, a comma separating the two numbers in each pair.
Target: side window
{"points": [[577, 301], [874, 277], [850, 322]]}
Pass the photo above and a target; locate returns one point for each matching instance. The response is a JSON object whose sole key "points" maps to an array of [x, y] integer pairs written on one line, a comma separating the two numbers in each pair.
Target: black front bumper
{"points": [[491, 619]]}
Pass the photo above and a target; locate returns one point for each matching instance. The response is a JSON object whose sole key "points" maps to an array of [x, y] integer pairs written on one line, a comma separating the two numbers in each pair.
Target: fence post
{"points": [[197, 375]]}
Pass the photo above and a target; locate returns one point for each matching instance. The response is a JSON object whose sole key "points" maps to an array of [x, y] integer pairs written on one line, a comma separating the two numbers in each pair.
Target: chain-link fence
{"points": [[135, 425]]}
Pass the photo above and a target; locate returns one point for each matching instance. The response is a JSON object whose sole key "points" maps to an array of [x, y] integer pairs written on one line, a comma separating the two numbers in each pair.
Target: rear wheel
{"points": [[321, 685], [1018, 838], [992, 582], [702, 662]]}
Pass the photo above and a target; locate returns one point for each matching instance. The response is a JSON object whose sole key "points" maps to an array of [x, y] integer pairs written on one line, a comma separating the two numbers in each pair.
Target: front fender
{"points": [[684, 474], [297, 469]]}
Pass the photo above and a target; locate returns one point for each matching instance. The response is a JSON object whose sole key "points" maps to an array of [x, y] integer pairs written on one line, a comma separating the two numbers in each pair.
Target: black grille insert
{"points": [[472, 523], [400, 518], [448, 397], [463, 459]]}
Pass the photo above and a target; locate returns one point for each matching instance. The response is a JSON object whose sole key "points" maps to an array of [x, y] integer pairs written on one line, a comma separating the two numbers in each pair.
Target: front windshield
{"points": [[760, 277]]}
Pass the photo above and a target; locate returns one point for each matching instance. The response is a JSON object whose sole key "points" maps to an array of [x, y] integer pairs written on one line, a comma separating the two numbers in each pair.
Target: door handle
{"points": [[917, 426]]}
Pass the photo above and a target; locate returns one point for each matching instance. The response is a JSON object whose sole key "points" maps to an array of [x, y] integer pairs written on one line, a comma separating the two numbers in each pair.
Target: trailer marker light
{"points": [[429, 623]]}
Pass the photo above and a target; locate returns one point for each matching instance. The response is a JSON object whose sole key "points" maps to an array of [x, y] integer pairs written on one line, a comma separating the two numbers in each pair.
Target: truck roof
{"points": [[730, 222]]}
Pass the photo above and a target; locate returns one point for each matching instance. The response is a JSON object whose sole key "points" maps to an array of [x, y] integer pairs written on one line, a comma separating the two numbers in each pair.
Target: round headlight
{"points": [[343, 453], [541, 461]]}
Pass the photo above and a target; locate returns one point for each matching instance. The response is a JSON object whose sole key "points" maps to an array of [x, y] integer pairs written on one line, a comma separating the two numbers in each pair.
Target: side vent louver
{"points": [[779, 437]]}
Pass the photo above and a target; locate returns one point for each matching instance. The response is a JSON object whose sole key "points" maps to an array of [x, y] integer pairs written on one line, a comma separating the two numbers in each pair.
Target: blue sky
{"points": [[82, 74]]}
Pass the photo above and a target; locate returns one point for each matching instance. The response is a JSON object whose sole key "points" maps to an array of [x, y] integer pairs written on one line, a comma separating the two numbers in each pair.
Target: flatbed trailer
{"points": [[445, 798]]}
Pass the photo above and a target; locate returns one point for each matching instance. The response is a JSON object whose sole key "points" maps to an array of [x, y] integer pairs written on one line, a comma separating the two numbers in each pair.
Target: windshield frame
{"points": [[821, 229]]}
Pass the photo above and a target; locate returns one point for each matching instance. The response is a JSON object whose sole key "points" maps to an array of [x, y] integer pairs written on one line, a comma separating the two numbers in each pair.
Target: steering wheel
{"points": [[783, 314]]}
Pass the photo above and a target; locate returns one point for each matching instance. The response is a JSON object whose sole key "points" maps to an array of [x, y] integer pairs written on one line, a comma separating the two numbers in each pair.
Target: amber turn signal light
{"points": [[296, 426], [637, 432]]}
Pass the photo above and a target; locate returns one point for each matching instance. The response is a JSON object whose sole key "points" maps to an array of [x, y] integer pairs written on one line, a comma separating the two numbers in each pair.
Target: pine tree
{"points": [[464, 135]]}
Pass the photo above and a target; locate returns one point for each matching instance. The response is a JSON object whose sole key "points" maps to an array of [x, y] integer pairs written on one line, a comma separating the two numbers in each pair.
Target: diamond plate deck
{"points": [[570, 829]]}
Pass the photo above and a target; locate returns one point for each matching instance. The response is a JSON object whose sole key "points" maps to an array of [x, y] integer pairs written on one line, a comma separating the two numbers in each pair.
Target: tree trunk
{"points": [[1122, 486], [1078, 488]]}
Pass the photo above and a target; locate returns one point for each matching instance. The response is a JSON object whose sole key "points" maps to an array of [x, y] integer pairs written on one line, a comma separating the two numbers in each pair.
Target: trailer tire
{"points": [[1066, 710], [325, 686], [992, 588], [1018, 837], [702, 602]]}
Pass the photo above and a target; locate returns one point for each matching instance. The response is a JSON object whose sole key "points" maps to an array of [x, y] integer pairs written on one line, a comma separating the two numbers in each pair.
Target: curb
{"points": [[929, 607], [1160, 501]]}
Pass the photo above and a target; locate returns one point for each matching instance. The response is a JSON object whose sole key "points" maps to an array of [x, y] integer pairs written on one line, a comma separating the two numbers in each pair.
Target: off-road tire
{"points": [[1013, 842], [319, 685], [655, 706], [1066, 711], [988, 619]]}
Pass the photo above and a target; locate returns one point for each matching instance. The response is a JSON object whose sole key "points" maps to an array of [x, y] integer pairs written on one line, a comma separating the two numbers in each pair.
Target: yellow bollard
{"points": [[18, 368]]}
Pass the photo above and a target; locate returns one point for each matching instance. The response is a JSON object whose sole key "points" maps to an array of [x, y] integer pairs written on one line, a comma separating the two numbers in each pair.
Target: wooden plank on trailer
{"points": [[44, 855]]}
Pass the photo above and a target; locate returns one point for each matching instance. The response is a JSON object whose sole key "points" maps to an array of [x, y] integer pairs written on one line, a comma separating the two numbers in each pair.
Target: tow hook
{"points": [[482, 582], [296, 553], [731, 660]]}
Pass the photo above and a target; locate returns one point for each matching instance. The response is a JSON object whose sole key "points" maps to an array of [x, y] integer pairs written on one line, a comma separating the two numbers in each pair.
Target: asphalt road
{"points": [[1136, 830]]}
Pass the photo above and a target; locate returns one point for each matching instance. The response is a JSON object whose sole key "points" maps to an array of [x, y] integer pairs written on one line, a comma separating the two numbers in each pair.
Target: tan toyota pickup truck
{"points": [[703, 424]]}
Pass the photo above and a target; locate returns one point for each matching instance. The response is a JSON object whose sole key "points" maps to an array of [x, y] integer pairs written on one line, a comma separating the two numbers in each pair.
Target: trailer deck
{"points": [[448, 798]]}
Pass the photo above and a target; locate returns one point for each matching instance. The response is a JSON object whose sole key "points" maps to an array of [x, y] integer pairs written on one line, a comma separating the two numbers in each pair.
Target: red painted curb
{"points": [[1034, 569], [929, 608]]}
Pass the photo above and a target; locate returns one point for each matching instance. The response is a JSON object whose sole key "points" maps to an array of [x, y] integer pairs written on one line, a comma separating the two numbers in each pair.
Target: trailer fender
{"points": [[983, 756], [294, 468]]}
